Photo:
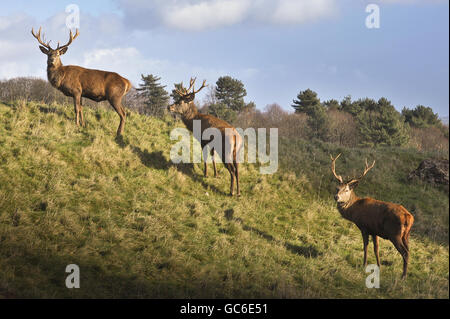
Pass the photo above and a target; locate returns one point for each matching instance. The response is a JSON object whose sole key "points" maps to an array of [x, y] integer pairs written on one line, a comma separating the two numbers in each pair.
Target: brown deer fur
{"points": [[374, 218], [78, 82], [188, 112]]}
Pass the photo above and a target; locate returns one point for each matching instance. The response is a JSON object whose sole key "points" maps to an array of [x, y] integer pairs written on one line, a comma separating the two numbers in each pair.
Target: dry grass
{"points": [[140, 227]]}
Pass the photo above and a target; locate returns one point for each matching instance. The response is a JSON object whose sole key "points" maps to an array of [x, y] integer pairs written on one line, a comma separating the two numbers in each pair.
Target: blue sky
{"points": [[276, 47]]}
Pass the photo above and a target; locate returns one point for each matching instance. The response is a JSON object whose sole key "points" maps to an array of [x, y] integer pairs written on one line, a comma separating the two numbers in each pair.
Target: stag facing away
{"points": [[78, 82], [231, 142]]}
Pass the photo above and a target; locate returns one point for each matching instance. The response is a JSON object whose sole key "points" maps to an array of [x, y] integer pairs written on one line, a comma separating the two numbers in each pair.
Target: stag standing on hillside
{"points": [[79, 82], [373, 217], [231, 140]]}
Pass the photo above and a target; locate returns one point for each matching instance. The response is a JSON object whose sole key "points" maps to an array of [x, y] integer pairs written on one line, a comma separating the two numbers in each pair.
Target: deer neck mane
{"points": [[345, 208], [189, 116], [55, 74]]}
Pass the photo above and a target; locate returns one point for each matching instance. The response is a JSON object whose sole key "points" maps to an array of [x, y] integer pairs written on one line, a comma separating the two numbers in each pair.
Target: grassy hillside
{"points": [[139, 226]]}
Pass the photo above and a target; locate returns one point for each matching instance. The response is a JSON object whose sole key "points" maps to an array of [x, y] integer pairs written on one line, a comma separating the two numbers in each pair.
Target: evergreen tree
{"points": [[349, 106], [332, 105], [230, 92], [319, 123], [223, 112], [308, 102], [227, 100], [385, 126], [174, 95], [367, 104], [421, 117], [155, 96]]}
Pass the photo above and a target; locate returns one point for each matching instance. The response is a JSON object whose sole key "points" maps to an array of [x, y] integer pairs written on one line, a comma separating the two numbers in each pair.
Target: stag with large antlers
{"points": [[373, 217], [78, 82], [231, 142]]}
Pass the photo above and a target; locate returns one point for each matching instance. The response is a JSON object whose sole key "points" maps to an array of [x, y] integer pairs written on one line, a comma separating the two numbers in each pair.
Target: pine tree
{"points": [[155, 96], [349, 106], [384, 126], [174, 95], [308, 102], [421, 117], [223, 112], [231, 92], [332, 105]]}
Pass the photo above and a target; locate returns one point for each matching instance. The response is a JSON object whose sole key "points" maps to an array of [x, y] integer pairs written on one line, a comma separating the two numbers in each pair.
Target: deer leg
{"points": [[122, 119], [236, 171], [76, 104], [81, 112], [365, 237], [230, 169], [214, 162], [376, 248], [398, 244], [117, 105], [81, 116], [405, 239], [205, 158], [236, 167]]}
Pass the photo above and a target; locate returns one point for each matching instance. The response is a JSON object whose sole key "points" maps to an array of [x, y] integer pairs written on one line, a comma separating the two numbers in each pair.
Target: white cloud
{"points": [[131, 63], [19, 52], [9, 21], [14, 69], [204, 15], [297, 11], [199, 15], [410, 1]]}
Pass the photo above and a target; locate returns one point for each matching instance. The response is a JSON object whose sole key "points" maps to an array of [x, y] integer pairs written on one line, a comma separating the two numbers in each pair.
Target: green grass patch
{"points": [[139, 226]]}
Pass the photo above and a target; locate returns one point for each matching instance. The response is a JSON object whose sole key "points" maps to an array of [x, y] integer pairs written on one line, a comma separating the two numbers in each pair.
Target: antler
{"points": [[333, 168], [183, 91], [203, 85], [191, 84], [38, 37], [47, 45], [72, 37], [367, 168]]}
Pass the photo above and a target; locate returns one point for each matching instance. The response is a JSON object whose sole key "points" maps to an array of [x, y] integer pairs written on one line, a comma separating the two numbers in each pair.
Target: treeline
{"points": [[351, 123], [39, 90], [363, 122]]}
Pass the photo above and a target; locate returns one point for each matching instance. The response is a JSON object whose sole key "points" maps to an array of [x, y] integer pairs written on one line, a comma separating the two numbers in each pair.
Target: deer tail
{"points": [[238, 144], [128, 86]]}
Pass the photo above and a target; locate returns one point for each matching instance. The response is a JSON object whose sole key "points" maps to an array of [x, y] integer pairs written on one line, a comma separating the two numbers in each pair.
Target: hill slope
{"points": [[139, 226]]}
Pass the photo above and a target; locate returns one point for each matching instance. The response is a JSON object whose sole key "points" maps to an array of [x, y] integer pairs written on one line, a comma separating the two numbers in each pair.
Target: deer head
{"points": [[53, 54], [344, 192], [186, 97]]}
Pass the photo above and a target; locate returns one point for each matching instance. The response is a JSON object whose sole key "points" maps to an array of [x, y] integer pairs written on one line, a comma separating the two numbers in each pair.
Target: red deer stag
{"points": [[231, 140], [373, 217], [79, 82]]}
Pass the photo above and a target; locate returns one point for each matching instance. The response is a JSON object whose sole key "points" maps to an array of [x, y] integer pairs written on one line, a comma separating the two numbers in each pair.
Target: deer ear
{"points": [[43, 49], [63, 50], [190, 97], [353, 183]]}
